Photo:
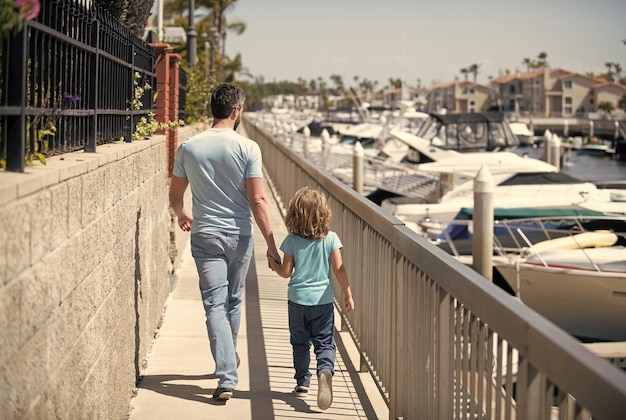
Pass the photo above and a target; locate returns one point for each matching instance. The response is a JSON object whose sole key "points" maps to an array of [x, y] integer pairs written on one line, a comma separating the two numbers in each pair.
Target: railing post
{"points": [[555, 151], [17, 51], [482, 241], [357, 168], [547, 135]]}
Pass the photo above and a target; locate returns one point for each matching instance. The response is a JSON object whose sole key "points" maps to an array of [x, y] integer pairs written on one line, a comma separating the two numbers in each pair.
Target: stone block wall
{"points": [[85, 262]]}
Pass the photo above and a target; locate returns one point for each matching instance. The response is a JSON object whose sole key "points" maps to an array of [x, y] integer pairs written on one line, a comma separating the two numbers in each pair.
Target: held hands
{"points": [[273, 264], [273, 259]]}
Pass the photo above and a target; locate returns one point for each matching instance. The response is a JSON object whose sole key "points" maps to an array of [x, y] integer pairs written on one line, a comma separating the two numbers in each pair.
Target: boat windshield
{"points": [[469, 132], [367, 143]]}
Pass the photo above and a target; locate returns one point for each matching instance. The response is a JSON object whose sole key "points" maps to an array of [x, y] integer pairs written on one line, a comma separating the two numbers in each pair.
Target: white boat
{"points": [[522, 132], [573, 277], [519, 182]]}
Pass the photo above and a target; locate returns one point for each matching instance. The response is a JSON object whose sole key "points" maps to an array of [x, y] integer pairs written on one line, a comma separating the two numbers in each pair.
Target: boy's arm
{"points": [[283, 269], [342, 277]]}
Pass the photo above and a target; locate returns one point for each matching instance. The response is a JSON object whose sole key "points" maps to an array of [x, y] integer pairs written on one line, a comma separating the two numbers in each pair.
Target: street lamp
{"points": [[215, 37], [205, 40], [191, 35]]}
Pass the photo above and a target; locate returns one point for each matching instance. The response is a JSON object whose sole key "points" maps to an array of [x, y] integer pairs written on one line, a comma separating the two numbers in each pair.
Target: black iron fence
{"points": [[71, 79]]}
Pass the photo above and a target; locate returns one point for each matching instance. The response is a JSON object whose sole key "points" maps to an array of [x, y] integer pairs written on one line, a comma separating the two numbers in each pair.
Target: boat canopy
{"points": [[464, 132], [540, 178], [552, 218]]}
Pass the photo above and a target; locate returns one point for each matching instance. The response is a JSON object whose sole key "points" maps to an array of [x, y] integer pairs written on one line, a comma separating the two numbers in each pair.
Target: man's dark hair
{"points": [[224, 99]]}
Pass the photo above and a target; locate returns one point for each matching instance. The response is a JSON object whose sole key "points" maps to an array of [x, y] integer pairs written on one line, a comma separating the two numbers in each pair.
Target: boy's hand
{"points": [[349, 304]]}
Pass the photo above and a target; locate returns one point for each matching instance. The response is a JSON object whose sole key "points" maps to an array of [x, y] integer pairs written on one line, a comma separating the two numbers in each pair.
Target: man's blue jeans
{"points": [[312, 325], [222, 261]]}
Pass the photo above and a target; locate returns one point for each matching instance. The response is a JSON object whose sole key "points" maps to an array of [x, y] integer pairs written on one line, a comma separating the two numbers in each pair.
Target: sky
{"points": [[430, 41]]}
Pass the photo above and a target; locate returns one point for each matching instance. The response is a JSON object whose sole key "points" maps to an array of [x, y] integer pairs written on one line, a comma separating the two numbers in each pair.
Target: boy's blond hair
{"points": [[308, 214]]}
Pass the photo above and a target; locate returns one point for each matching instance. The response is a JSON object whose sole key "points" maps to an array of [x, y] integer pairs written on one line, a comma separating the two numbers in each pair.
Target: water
{"points": [[587, 166]]}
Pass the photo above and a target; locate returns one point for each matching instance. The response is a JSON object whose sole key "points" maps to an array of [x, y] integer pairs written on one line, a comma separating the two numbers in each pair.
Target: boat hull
{"points": [[588, 304]]}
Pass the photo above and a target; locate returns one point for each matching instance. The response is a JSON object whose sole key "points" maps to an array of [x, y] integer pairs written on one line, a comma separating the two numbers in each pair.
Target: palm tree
{"points": [[217, 21], [618, 72], [609, 73], [233, 67], [542, 60], [338, 81], [528, 62], [465, 71], [474, 70], [312, 87]]}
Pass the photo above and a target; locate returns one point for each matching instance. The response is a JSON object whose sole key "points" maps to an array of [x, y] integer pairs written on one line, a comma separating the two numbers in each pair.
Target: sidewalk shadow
{"points": [[162, 384]]}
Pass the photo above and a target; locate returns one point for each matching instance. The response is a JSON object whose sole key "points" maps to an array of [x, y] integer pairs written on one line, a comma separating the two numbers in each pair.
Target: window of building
{"points": [[567, 100], [567, 110], [567, 84], [471, 91], [511, 88]]}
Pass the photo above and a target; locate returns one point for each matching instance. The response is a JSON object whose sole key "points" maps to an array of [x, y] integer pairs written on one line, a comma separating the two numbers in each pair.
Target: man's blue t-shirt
{"points": [[310, 281], [217, 163]]}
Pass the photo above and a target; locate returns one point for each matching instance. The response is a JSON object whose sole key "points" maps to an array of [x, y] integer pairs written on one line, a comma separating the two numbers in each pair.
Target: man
{"points": [[224, 170]]}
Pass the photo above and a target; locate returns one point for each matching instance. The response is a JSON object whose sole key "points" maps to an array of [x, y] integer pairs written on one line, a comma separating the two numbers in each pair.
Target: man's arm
{"points": [[261, 212], [178, 186]]}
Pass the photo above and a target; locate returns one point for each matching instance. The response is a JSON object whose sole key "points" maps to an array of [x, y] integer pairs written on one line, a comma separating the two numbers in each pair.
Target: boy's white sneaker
{"points": [[324, 390]]}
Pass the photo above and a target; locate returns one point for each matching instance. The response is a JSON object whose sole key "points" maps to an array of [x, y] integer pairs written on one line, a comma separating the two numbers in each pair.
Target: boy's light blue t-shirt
{"points": [[217, 163], [310, 281]]}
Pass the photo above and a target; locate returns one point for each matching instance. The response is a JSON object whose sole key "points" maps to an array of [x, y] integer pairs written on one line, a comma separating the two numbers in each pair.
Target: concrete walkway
{"points": [[178, 381]]}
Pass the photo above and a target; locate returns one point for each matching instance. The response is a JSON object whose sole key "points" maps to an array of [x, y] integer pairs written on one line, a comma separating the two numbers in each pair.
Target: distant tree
{"points": [[609, 75], [542, 60], [606, 106], [338, 81], [529, 63], [618, 72], [474, 70], [216, 19], [465, 71], [233, 67], [395, 83], [133, 14]]}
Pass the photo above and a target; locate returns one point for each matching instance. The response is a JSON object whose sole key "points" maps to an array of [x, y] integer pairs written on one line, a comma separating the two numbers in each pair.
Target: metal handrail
{"points": [[440, 340]]}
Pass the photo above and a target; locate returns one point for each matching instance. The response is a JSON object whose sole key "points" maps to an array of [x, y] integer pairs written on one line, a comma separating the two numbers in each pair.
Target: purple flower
{"points": [[144, 79], [72, 99], [29, 9]]}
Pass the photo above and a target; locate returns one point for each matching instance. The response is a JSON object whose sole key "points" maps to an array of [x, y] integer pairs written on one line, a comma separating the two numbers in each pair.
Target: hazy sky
{"points": [[432, 41]]}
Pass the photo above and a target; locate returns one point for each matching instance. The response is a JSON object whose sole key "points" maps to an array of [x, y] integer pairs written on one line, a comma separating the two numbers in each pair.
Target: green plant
{"points": [[146, 126], [149, 125], [198, 90]]}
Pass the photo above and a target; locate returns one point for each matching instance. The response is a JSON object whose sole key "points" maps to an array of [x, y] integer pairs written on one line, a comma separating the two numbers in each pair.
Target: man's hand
{"points": [[185, 220]]}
